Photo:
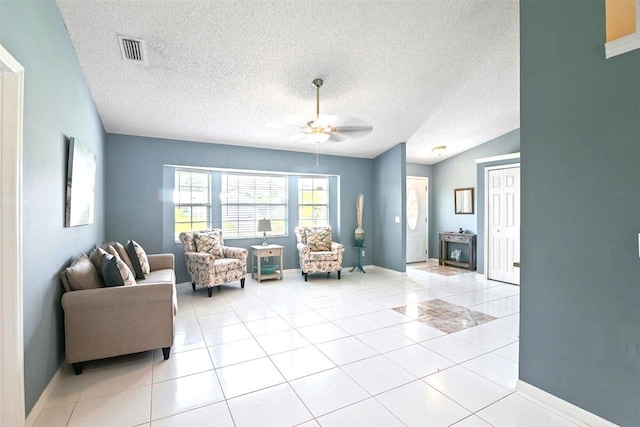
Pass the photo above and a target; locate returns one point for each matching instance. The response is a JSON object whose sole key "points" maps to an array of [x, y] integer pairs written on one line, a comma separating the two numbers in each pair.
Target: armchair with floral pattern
{"points": [[209, 262], [317, 251]]}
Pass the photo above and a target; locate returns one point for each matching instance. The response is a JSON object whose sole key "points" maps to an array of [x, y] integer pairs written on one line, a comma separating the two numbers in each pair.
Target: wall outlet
{"points": [[397, 219], [363, 254]]}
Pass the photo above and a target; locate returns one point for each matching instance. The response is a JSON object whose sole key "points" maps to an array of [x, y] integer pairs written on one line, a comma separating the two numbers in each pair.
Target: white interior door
{"points": [[417, 225], [504, 224]]}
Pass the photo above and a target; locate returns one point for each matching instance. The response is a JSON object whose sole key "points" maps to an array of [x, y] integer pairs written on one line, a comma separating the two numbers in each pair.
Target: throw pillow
{"points": [[115, 272], [138, 259], [96, 258], [81, 274], [318, 239], [122, 253], [110, 250], [210, 242]]}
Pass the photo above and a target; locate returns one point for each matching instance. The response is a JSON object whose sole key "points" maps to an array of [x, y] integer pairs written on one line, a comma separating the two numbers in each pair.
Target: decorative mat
{"points": [[444, 316], [445, 270]]}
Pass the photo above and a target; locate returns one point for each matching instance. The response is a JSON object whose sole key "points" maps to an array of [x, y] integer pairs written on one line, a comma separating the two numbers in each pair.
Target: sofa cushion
{"points": [[209, 242], [323, 256], [318, 238], [221, 266], [81, 274], [115, 272], [139, 259], [158, 276]]}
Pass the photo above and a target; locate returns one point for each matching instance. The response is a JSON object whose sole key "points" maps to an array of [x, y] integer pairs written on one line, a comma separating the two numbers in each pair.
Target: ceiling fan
{"points": [[325, 127]]}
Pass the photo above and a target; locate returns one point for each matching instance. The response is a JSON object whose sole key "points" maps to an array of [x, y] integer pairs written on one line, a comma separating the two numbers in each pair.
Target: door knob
{"points": [[516, 264]]}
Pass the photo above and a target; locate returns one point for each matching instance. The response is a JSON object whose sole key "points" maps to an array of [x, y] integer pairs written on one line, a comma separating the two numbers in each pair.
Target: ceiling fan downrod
{"points": [[318, 84]]}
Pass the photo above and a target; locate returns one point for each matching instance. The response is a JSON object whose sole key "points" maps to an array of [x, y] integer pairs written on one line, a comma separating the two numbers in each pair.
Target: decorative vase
{"points": [[359, 236]]}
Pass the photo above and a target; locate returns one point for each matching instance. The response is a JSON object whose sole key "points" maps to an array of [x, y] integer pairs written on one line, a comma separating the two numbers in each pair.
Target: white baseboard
{"points": [[44, 397], [562, 406], [481, 276]]}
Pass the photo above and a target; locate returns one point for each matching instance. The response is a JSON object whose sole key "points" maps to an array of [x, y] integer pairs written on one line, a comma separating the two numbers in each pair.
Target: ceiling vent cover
{"points": [[132, 49]]}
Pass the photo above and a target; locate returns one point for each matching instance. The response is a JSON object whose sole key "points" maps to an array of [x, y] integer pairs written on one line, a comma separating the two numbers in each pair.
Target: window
{"points": [[246, 198], [192, 199], [313, 201]]}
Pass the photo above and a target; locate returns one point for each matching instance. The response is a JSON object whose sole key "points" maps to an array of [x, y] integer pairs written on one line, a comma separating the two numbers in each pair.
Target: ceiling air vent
{"points": [[132, 49]]}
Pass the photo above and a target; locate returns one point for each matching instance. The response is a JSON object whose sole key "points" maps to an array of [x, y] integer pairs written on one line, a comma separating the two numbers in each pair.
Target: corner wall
{"points": [[580, 123], [57, 105], [461, 171], [390, 184]]}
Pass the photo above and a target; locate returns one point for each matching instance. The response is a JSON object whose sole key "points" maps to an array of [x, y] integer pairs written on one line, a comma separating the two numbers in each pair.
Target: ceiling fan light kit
{"points": [[439, 149], [325, 127]]}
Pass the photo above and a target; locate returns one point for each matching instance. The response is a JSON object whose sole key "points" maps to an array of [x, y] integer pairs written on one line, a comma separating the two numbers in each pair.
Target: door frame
{"points": [[486, 211], [12, 401], [426, 210]]}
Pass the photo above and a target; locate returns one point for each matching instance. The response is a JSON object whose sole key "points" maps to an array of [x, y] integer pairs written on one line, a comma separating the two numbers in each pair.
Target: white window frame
{"points": [[260, 210], [316, 222], [177, 204]]}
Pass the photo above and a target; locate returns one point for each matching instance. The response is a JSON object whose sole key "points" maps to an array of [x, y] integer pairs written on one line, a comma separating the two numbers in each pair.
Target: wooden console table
{"points": [[464, 238]]}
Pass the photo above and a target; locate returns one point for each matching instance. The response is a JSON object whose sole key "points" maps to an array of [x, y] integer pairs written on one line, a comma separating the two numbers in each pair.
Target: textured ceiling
{"points": [[427, 72]]}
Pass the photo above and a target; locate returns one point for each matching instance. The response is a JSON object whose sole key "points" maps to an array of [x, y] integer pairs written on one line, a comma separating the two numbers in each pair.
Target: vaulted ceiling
{"points": [[427, 72]]}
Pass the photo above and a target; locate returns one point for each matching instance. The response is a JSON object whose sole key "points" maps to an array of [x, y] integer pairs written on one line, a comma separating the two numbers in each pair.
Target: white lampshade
{"points": [[264, 225]]}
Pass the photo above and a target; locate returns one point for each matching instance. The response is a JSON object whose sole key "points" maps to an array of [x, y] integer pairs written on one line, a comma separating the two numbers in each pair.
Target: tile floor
{"points": [[324, 352]]}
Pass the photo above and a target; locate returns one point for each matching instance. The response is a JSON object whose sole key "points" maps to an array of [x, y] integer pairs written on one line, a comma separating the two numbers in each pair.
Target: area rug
{"points": [[445, 270], [444, 316]]}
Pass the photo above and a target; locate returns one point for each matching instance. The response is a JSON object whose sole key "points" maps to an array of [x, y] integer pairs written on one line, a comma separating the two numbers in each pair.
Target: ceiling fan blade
{"points": [[337, 137], [353, 133], [297, 121], [356, 128]]}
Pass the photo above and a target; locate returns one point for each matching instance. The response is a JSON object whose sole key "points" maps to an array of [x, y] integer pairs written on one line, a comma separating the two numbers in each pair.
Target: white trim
{"points": [[557, 404], [12, 406], [44, 397], [426, 184], [622, 45], [486, 211], [480, 276], [498, 158]]}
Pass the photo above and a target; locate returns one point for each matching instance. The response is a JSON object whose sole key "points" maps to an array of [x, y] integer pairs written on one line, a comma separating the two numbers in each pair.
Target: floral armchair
{"points": [[317, 251], [209, 262]]}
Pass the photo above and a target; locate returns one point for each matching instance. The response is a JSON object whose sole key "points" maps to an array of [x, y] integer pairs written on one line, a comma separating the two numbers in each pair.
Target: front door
{"points": [[417, 226], [504, 224]]}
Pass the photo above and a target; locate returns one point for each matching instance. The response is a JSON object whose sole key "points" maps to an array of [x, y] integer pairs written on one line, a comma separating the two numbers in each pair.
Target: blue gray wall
{"points": [[461, 171], [389, 237], [580, 124], [57, 105], [139, 190]]}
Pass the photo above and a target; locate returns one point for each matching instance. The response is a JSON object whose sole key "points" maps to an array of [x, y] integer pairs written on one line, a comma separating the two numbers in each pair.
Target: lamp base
{"points": [[264, 239]]}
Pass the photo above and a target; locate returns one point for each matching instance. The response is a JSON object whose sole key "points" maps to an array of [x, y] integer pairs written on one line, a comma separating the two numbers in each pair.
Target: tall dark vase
{"points": [[359, 237]]}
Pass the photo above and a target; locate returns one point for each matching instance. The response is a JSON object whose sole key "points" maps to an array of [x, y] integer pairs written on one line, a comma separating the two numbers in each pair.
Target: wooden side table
{"points": [[257, 253], [464, 238]]}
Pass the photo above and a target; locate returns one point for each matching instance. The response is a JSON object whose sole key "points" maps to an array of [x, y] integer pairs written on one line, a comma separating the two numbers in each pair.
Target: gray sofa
{"points": [[113, 321]]}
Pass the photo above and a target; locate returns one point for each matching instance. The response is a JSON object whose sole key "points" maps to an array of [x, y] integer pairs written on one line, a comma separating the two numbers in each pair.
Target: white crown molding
{"points": [[561, 406], [498, 158], [622, 45]]}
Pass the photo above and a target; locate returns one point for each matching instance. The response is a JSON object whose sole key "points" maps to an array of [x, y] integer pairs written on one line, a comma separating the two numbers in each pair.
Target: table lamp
{"points": [[264, 225]]}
